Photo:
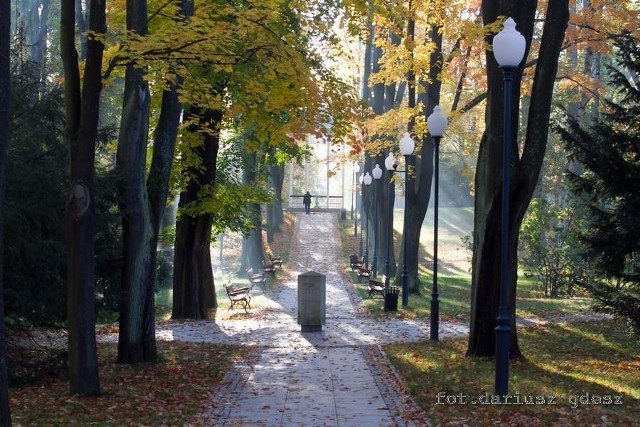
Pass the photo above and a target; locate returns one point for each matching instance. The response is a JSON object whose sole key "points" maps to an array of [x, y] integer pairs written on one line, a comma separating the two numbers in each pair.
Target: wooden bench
{"points": [[376, 285], [238, 294], [355, 262], [256, 279], [269, 268], [276, 261], [363, 273]]}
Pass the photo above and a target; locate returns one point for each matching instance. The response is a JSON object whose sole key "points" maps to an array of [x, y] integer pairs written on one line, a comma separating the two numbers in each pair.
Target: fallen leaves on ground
{"points": [[572, 375], [170, 392]]}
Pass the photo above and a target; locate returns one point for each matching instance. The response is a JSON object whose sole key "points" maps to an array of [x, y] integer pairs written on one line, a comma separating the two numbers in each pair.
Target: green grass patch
{"points": [[455, 290], [578, 374], [455, 298]]}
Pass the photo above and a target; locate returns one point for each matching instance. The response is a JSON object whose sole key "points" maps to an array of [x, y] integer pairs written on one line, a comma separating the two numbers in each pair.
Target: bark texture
{"points": [[525, 168], [193, 284], [136, 341], [82, 111], [5, 85]]}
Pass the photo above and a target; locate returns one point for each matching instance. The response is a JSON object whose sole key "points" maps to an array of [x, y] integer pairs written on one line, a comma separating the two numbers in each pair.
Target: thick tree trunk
{"points": [[193, 284], [164, 145], [136, 342], [192, 275], [82, 110], [525, 169], [5, 43], [137, 331]]}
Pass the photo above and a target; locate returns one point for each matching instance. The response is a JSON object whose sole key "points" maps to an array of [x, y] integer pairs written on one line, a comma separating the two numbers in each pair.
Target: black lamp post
{"points": [[377, 174], [508, 50], [389, 165], [407, 145], [354, 195], [361, 180], [437, 125], [367, 182]]}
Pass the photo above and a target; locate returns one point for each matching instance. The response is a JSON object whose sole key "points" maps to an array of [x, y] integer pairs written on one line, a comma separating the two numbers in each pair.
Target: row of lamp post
{"points": [[437, 123], [356, 169], [508, 48]]}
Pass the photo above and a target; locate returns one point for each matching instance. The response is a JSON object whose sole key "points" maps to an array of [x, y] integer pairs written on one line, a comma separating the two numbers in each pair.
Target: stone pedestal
{"points": [[312, 301]]}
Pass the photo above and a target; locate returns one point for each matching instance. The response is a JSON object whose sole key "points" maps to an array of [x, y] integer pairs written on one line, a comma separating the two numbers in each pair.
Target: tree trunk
{"points": [[193, 284], [81, 23], [277, 179], [83, 111], [524, 171], [34, 22], [5, 85], [136, 342], [252, 248], [418, 184], [192, 274], [368, 53], [164, 145], [276, 176]]}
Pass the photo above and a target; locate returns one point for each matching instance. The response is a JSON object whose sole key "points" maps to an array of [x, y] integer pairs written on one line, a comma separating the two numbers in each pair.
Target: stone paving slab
{"points": [[311, 387], [336, 377], [306, 379]]}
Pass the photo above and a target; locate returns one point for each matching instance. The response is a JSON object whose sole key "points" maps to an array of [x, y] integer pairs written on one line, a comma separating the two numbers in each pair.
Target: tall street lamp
{"points": [[389, 165], [508, 49], [377, 174], [367, 182], [407, 145], [354, 195], [361, 181], [437, 124]]}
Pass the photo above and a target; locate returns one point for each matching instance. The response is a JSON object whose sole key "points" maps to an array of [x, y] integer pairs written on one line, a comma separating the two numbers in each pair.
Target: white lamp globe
{"points": [[376, 172], [356, 167], [509, 45], [407, 145], [367, 179], [437, 122], [361, 179], [390, 162]]}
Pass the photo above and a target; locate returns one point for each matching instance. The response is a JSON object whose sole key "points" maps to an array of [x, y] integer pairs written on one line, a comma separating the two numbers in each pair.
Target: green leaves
{"points": [[227, 203]]}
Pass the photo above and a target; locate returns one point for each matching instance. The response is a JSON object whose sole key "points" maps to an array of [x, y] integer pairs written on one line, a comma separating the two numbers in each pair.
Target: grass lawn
{"points": [[455, 297], [581, 374], [170, 392], [455, 287]]}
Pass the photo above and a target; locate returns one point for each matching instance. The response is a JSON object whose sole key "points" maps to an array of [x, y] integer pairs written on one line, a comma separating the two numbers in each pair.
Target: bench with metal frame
{"points": [[238, 294], [257, 279], [376, 285], [355, 262], [363, 273]]}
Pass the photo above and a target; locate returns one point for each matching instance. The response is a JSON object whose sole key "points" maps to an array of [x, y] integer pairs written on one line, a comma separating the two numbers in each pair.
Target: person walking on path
{"points": [[306, 201]]}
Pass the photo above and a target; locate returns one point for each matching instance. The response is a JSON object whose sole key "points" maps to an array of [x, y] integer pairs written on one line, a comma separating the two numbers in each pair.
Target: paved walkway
{"points": [[337, 377], [327, 378]]}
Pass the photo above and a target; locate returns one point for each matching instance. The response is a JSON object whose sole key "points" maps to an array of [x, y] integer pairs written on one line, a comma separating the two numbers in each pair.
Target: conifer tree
{"points": [[608, 185]]}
